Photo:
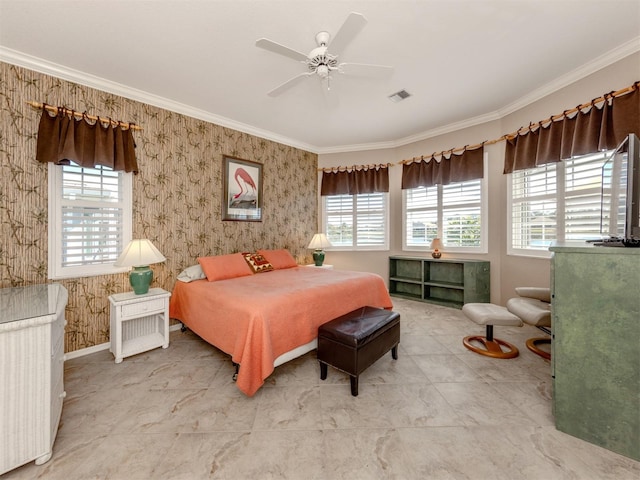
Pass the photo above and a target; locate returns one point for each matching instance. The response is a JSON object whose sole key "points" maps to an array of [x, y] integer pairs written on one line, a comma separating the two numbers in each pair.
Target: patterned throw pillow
{"points": [[257, 262]]}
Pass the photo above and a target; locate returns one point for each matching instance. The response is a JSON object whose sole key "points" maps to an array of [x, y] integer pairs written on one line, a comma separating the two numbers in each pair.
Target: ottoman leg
{"points": [[354, 385], [323, 371], [394, 352]]}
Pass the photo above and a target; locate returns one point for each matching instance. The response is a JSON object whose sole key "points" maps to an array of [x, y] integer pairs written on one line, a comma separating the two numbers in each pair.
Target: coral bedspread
{"points": [[257, 318]]}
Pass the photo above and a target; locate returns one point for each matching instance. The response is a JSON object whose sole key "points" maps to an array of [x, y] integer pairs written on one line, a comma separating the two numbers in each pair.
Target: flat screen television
{"points": [[620, 198]]}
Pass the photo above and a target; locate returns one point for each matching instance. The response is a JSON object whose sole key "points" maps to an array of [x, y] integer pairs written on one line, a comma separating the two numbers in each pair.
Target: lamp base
{"points": [[318, 257], [436, 254], [140, 278]]}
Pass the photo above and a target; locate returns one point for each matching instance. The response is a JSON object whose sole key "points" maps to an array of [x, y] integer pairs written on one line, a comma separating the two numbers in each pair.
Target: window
{"points": [[357, 222], [451, 212], [89, 219], [555, 202], [462, 214], [455, 213]]}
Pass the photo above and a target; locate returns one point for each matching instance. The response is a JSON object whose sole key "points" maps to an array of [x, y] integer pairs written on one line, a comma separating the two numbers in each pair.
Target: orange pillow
{"points": [[279, 258], [221, 267]]}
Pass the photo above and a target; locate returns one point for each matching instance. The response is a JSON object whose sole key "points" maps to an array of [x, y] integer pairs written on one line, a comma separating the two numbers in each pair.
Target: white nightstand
{"points": [[324, 265], [139, 322]]}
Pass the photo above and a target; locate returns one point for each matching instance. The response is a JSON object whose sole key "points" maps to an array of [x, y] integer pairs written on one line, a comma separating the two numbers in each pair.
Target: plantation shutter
{"points": [[461, 214], [421, 215], [92, 210], [370, 219]]}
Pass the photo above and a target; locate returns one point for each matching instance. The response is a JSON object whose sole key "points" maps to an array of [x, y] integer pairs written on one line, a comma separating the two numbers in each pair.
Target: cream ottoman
{"points": [[489, 315]]}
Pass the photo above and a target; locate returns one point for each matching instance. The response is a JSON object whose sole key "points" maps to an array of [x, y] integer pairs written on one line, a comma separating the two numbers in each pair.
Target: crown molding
{"points": [[356, 147], [40, 65], [593, 66], [579, 73], [452, 127], [43, 66]]}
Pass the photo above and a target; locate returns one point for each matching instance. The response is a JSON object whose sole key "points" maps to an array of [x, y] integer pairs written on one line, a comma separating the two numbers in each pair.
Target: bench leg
{"points": [[394, 352], [323, 371], [354, 385]]}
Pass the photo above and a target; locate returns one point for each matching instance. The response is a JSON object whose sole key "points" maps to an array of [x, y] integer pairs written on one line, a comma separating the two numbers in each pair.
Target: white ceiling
{"points": [[462, 61]]}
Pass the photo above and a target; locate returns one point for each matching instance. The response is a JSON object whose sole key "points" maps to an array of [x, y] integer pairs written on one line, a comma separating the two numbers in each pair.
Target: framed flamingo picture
{"points": [[242, 198]]}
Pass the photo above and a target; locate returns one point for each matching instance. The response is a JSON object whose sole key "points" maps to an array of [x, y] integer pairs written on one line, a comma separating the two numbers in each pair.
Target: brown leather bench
{"points": [[354, 341]]}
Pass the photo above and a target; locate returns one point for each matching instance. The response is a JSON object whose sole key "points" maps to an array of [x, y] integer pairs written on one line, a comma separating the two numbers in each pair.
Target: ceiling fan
{"points": [[322, 61]]}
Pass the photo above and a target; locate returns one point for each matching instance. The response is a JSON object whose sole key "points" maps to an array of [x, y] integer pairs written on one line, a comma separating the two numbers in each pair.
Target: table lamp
{"points": [[319, 242], [139, 254], [436, 245]]}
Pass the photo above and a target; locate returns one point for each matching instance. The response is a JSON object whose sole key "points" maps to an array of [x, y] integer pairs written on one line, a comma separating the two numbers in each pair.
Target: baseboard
{"points": [[103, 346], [86, 351]]}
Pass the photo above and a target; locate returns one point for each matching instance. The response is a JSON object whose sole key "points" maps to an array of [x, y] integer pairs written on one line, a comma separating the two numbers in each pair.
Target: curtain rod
{"points": [[532, 125], [355, 167], [68, 111]]}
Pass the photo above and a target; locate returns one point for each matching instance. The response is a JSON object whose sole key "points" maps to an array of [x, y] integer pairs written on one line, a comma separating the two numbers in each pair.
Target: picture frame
{"points": [[242, 190]]}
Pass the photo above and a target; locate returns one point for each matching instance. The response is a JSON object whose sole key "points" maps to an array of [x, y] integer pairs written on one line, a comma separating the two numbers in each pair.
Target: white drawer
{"points": [[57, 399], [57, 334], [57, 340], [138, 308], [57, 393], [57, 366]]}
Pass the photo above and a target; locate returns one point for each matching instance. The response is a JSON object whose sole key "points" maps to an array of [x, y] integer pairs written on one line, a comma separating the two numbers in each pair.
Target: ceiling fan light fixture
{"points": [[399, 96], [322, 71]]}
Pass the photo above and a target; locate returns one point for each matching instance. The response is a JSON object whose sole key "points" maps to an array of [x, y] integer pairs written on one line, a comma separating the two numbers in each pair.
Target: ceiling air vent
{"points": [[398, 96]]}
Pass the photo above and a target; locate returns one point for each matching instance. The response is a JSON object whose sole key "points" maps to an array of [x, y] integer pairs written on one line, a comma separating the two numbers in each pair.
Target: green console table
{"points": [[596, 345]]}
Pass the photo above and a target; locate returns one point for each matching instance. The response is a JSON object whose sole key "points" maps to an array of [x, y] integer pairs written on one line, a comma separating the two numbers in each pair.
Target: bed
{"points": [[264, 319]]}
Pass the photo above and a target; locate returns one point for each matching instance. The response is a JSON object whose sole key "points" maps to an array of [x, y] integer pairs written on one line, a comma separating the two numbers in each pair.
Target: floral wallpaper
{"points": [[176, 196]]}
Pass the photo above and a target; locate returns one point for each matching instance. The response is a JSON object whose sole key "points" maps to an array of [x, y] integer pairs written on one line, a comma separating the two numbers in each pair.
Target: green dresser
{"points": [[596, 345]]}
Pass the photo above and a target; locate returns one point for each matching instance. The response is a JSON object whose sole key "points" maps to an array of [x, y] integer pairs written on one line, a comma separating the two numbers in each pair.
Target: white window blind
{"points": [[461, 214], [583, 188], [614, 196], [356, 221], [533, 208], [451, 212], [370, 220], [421, 215], [90, 219], [556, 202]]}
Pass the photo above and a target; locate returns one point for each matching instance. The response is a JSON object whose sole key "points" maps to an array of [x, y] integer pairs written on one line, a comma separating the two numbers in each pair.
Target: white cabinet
{"points": [[139, 322], [31, 372]]}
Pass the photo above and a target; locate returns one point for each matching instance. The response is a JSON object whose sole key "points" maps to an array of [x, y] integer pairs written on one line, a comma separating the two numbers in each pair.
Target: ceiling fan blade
{"points": [[349, 29], [280, 49], [288, 84], [365, 70]]}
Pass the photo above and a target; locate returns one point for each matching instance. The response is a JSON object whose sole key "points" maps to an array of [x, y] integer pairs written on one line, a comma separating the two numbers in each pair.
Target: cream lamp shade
{"points": [[318, 243], [436, 246], [139, 254]]}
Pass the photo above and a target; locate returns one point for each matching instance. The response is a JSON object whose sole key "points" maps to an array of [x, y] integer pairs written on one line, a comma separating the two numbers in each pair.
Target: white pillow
{"points": [[192, 273]]}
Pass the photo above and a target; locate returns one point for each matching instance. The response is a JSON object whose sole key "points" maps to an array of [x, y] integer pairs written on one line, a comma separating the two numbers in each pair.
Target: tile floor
{"points": [[438, 412]]}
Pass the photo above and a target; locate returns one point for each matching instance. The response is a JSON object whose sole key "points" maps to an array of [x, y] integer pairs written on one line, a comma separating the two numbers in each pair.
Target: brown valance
{"points": [[469, 165], [355, 181], [595, 128], [63, 138]]}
